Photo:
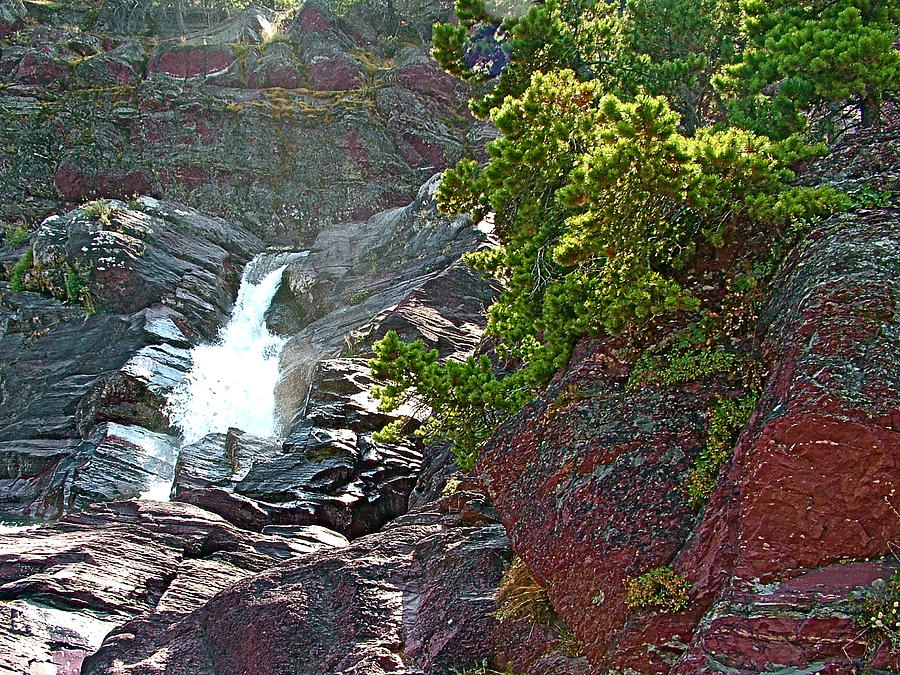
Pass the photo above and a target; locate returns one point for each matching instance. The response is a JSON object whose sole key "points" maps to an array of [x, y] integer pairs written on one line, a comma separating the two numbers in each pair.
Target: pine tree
{"points": [[801, 55]]}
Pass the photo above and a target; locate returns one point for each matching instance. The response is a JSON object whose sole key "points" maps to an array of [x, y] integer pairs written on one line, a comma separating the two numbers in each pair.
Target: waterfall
{"points": [[232, 381]]}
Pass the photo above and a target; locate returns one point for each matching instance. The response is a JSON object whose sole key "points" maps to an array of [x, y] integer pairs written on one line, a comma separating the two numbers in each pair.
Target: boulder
{"points": [[587, 481]]}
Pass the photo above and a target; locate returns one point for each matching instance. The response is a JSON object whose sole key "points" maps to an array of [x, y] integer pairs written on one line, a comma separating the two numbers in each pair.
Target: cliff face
{"points": [[282, 122]]}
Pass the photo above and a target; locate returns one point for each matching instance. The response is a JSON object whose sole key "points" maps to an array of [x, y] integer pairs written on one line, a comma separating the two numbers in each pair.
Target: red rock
{"points": [[416, 597], [78, 182], [43, 68], [589, 493], [191, 60], [313, 20], [335, 73], [589, 489]]}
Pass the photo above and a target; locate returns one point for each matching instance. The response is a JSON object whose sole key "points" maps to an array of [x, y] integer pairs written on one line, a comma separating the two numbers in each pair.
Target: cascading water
{"points": [[232, 382]]}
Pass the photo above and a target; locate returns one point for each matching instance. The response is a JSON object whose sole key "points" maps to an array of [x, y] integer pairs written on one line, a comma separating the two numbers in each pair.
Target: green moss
{"points": [[726, 420], [569, 396], [359, 297], [661, 589], [682, 365], [17, 274], [15, 234], [77, 290]]}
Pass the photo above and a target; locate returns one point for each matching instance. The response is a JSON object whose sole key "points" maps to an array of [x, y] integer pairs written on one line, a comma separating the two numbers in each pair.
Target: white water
{"points": [[232, 382]]}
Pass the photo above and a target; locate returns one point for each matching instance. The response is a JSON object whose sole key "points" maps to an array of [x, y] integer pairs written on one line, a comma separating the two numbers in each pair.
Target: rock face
{"points": [[280, 122], [588, 485], [154, 278], [65, 587], [392, 602], [83, 392]]}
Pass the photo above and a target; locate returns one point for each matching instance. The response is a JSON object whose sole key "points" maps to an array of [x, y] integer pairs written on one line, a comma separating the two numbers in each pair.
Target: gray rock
{"points": [[166, 276]]}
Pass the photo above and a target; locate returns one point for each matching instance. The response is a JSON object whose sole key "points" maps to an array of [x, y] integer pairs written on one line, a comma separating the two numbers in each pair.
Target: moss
{"points": [[660, 589], [569, 396], [726, 420], [372, 63], [359, 297], [877, 613], [682, 365], [17, 274], [15, 234], [77, 290]]}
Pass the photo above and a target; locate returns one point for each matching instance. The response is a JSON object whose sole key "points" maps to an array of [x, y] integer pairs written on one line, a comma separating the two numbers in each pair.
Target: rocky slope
{"points": [[804, 518], [309, 140]]}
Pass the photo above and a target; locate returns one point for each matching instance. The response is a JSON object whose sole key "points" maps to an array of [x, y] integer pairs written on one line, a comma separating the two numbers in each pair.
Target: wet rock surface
{"points": [[115, 294]]}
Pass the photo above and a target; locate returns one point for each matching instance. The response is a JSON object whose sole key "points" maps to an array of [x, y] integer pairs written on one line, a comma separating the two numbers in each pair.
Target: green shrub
{"points": [[466, 399], [359, 297], [661, 589], [17, 274], [100, 210], [726, 420], [15, 234]]}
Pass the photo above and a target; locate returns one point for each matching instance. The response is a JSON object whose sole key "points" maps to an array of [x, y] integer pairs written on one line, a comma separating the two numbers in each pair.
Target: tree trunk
{"points": [[179, 16], [869, 111]]}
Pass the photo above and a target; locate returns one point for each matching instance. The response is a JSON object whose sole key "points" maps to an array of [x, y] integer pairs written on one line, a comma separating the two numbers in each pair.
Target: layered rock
{"points": [[393, 602], [281, 123], [65, 587], [85, 373]]}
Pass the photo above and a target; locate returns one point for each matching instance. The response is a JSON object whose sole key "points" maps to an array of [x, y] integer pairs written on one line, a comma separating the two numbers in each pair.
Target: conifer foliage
{"points": [[615, 162]]}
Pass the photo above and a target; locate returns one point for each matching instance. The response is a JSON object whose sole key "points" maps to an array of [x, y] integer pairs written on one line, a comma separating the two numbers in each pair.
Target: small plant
{"points": [[681, 365], [661, 589], [867, 197], [77, 290], [878, 614], [15, 234], [390, 433], [359, 297], [519, 596], [481, 669], [726, 420], [99, 209], [451, 486], [17, 274]]}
